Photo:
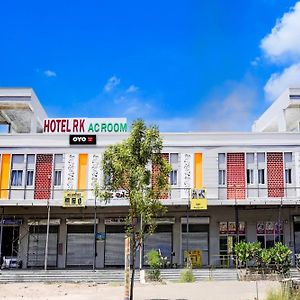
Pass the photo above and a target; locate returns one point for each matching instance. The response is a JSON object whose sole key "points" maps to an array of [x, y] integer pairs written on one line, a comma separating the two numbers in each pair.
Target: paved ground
{"points": [[233, 290]]}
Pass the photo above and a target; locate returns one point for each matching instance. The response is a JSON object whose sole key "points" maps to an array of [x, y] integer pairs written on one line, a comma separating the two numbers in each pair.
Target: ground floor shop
{"points": [[78, 239]]}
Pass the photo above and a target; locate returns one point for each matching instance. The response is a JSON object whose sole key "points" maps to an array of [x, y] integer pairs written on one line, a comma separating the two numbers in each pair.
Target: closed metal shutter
{"points": [[80, 245], [114, 245], [37, 244], [195, 239], [160, 240]]}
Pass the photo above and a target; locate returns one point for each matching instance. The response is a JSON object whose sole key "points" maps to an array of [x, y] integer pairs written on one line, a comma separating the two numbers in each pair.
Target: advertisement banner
{"points": [[73, 199]]}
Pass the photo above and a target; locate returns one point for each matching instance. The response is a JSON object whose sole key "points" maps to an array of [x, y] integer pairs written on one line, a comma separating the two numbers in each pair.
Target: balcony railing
{"points": [[175, 196]]}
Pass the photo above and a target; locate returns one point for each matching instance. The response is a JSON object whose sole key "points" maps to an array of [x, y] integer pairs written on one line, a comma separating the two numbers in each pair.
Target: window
{"points": [[288, 176], [57, 178], [261, 176], [16, 177], [174, 158], [250, 158], [173, 177], [288, 157], [222, 177], [29, 178], [18, 158], [261, 157], [30, 158], [58, 158], [269, 233], [250, 177], [221, 158]]}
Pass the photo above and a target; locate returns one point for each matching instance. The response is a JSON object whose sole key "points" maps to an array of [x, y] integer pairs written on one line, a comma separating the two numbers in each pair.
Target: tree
{"points": [[127, 166]]}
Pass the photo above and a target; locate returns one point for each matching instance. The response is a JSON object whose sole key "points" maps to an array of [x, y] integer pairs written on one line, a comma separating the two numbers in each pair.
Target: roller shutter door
{"points": [[114, 245], [195, 239], [161, 240], [80, 245], [37, 243]]}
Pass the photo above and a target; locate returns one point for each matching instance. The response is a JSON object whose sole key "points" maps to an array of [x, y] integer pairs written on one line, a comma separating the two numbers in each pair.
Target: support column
{"points": [[100, 246], [177, 241], [62, 243]]}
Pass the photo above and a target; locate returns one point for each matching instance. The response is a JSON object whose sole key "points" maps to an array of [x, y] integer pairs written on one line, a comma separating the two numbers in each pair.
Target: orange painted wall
{"points": [[82, 171], [198, 172], [4, 181]]}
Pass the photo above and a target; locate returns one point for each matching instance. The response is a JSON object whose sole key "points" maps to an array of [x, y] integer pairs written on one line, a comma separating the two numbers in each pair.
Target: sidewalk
{"points": [[211, 290]]}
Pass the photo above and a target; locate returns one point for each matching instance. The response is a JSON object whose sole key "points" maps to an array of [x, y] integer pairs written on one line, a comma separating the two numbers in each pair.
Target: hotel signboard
{"points": [[85, 125]]}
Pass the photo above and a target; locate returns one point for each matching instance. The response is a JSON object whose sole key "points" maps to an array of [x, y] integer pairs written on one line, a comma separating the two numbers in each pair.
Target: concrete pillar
{"points": [[177, 241], [62, 245], [214, 245], [100, 246], [23, 244], [251, 231]]}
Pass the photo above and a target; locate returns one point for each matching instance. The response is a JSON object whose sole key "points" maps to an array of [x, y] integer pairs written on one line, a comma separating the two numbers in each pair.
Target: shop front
{"points": [[114, 242], [37, 242], [80, 242], [228, 237], [161, 240], [195, 240]]}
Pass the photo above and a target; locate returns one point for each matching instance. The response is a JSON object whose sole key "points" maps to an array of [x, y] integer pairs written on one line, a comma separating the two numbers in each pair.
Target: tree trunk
{"points": [[133, 248]]}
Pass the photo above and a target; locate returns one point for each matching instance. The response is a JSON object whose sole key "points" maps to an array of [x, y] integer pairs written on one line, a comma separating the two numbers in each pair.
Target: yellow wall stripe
{"points": [[82, 171], [4, 181], [198, 173]]}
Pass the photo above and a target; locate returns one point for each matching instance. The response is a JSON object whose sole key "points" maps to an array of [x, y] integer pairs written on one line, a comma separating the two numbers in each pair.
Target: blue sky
{"points": [[184, 65]]}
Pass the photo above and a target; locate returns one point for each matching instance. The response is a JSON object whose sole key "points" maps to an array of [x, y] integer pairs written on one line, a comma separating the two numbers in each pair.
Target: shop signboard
{"points": [[223, 227], [73, 199], [195, 257], [11, 221], [85, 125], [260, 228], [198, 199], [242, 228], [231, 227], [269, 227], [100, 236], [83, 139]]}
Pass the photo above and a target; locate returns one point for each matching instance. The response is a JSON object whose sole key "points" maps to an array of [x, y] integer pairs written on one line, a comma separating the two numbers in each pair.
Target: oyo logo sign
{"points": [[83, 139]]}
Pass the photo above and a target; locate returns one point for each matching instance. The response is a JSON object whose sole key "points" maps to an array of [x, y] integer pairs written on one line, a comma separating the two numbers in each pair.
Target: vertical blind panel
{"points": [[114, 249], [161, 241], [36, 250], [80, 249], [196, 241]]}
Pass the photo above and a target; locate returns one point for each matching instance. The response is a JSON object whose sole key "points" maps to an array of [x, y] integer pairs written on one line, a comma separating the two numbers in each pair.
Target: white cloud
{"points": [[284, 40], [50, 73], [278, 82], [255, 61], [174, 124], [112, 82], [132, 89], [231, 111]]}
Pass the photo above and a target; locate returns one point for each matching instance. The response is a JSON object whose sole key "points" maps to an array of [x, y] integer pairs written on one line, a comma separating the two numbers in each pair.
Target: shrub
{"points": [[186, 275], [277, 295], [281, 294], [154, 261], [282, 258], [278, 257]]}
